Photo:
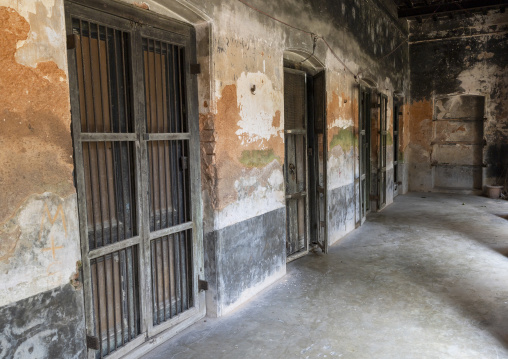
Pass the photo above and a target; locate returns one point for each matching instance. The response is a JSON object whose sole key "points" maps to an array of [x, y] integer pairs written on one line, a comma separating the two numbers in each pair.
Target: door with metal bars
{"points": [[317, 154], [383, 134], [396, 119], [136, 155], [365, 148], [295, 164]]}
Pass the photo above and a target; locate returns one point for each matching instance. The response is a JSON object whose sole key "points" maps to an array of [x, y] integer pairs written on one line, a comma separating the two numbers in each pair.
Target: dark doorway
{"points": [[305, 164], [397, 112], [365, 148], [383, 136]]}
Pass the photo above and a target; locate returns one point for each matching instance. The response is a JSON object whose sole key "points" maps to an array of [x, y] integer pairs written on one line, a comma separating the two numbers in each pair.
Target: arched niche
{"points": [[302, 60], [175, 9]]}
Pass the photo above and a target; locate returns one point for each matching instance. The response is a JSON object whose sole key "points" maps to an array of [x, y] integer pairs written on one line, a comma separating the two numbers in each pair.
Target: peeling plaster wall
{"points": [[242, 138], [459, 56], [241, 107], [39, 236]]}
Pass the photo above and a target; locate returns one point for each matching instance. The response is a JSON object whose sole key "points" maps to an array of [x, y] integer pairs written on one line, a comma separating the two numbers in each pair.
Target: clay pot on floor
{"points": [[494, 191]]}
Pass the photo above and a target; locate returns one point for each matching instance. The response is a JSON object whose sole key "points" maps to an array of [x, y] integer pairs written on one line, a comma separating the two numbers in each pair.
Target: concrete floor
{"points": [[425, 278]]}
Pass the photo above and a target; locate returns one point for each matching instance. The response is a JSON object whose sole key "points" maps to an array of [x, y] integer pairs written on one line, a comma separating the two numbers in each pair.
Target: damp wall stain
{"points": [[34, 123], [454, 57], [248, 148], [39, 237]]}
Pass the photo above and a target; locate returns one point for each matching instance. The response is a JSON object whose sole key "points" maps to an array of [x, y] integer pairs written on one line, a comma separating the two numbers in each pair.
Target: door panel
{"points": [[132, 144], [365, 149], [317, 162], [383, 134], [295, 164]]}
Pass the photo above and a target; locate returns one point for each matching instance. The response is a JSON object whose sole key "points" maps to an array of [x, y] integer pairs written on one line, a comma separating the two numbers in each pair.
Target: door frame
{"points": [[99, 11], [382, 150], [305, 250], [364, 131]]}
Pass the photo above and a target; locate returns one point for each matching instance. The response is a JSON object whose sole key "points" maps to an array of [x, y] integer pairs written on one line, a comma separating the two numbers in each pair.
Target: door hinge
{"points": [[93, 342], [202, 285], [195, 69], [71, 42], [184, 162]]}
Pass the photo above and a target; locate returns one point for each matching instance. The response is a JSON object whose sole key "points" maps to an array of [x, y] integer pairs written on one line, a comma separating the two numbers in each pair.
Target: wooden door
{"points": [[295, 163]]}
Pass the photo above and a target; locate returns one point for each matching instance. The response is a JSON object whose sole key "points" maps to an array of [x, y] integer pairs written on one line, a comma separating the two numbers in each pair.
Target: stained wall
{"points": [[242, 147], [242, 131], [39, 238], [460, 56]]}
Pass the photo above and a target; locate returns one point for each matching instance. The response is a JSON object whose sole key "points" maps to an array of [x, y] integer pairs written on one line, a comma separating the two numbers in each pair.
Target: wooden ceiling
{"points": [[418, 9]]}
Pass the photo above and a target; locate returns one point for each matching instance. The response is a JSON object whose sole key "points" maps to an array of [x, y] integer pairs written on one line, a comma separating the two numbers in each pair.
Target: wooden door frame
{"points": [[99, 11], [305, 250]]}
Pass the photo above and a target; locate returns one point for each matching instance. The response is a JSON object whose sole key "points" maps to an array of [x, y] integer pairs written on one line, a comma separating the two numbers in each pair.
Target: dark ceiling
{"points": [[418, 9]]}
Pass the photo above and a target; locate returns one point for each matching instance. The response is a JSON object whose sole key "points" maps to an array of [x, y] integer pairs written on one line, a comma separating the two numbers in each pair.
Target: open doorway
{"points": [[365, 149], [397, 113], [305, 159]]}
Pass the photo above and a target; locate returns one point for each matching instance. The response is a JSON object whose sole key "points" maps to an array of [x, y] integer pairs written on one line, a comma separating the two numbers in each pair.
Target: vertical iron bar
{"points": [[87, 126], [186, 257], [175, 95], [98, 303], [122, 191], [123, 188], [182, 271], [150, 144], [126, 112], [177, 235], [108, 74], [95, 121], [84, 74], [179, 144], [166, 143], [88, 129], [114, 298], [106, 301], [124, 81], [170, 281], [186, 217], [155, 85], [100, 78], [175, 267], [135, 273], [121, 274], [128, 253], [181, 83], [114, 168], [130, 184], [155, 287], [91, 72], [167, 187], [157, 122], [110, 239], [104, 130], [159, 165]]}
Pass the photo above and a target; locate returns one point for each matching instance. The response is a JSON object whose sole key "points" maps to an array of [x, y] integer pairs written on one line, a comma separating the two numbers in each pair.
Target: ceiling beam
{"points": [[449, 7]]}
